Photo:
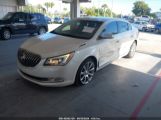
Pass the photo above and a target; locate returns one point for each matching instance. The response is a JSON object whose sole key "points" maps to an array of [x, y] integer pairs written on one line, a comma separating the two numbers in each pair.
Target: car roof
{"points": [[102, 19]]}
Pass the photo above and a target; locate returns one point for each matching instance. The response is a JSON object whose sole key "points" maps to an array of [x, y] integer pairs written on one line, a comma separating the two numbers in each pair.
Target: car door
{"points": [[19, 23], [108, 47], [32, 23], [125, 38]]}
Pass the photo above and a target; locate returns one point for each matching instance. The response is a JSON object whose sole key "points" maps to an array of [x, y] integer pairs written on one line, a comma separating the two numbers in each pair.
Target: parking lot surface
{"points": [[126, 88]]}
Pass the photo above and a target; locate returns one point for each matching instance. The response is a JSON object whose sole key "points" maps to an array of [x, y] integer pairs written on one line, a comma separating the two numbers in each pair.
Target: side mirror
{"points": [[106, 36]]}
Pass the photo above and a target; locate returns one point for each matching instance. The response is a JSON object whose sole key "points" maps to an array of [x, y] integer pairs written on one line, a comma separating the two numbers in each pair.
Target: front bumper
{"points": [[149, 28], [49, 76]]}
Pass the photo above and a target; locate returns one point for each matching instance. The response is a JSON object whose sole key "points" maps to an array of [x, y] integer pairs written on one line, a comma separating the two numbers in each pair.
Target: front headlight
{"points": [[59, 60]]}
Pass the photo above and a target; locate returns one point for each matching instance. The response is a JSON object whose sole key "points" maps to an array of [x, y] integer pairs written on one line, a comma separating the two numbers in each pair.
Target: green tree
{"points": [[33, 9], [97, 11], [65, 10], [40, 8], [105, 7], [90, 11], [141, 8], [153, 15], [49, 5], [29, 8]]}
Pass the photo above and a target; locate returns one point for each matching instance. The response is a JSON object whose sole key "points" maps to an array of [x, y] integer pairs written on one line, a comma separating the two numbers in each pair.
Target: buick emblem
{"points": [[23, 57]]}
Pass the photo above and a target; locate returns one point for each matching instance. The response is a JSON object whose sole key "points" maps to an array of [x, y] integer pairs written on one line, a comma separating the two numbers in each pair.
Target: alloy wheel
{"points": [[87, 72], [6, 34]]}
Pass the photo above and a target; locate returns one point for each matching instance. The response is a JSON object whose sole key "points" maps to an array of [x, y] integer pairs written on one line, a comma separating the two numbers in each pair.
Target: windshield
{"points": [[84, 29], [7, 16]]}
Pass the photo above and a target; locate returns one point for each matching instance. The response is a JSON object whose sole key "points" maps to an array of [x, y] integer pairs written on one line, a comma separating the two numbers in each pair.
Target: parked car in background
{"points": [[158, 28], [66, 19], [144, 26], [22, 23], [48, 19], [58, 20], [149, 27], [75, 51], [141, 25], [144, 18]]}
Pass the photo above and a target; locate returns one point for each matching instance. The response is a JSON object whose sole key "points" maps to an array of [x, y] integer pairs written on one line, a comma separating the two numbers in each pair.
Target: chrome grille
{"points": [[27, 58]]}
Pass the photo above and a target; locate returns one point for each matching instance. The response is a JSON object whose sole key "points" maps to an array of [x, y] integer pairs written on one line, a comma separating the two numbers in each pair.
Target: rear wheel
{"points": [[132, 50], [85, 72], [5, 34], [42, 30]]}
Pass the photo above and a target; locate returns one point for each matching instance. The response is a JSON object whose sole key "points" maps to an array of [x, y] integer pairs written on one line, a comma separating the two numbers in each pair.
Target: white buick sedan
{"points": [[73, 52]]}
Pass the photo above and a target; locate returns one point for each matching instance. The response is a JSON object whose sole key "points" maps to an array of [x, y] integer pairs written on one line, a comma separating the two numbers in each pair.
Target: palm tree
{"points": [[46, 4], [49, 5], [40, 8], [104, 6], [65, 9]]}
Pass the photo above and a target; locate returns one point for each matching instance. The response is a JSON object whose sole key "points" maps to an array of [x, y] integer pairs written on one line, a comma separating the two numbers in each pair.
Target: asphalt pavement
{"points": [[126, 88]]}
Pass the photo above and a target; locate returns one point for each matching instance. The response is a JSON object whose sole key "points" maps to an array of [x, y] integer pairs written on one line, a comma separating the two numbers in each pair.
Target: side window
{"points": [[38, 17], [111, 28], [19, 18], [35, 17], [122, 26], [66, 28]]}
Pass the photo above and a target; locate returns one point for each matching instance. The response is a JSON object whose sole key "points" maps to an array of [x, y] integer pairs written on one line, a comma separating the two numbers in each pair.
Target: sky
{"points": [[118, 6]]}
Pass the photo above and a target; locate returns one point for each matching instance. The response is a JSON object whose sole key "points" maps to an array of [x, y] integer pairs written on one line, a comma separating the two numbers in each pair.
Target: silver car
{"points": [[74, 51]]}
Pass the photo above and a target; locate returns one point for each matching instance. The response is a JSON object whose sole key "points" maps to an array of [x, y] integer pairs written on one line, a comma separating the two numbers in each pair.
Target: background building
{"points": [[10, 6]]}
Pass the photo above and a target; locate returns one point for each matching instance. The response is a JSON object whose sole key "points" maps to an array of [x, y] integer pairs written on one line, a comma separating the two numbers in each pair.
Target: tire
{"points": [[132, 51], [41, 31], [5, 34], [85, 72], [143, 29]]}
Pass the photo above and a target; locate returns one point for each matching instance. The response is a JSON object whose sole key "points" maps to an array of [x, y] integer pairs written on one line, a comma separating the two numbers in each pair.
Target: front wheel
{"points": [[132, 50], [143, 29], [85, 72], [6, 34]]}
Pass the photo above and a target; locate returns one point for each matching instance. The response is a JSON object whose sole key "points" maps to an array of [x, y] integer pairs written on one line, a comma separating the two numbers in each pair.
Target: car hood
{"points": [[50, 45], [2, 22]]}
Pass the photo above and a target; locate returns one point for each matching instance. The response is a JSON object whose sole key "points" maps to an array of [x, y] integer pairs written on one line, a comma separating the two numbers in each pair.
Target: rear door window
{"points": [[19, 18], [122, 26], [111, 28], [35, 17]]}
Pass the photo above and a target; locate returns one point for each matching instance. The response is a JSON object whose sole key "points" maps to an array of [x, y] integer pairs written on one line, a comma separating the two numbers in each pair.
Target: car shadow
{"points": [[103, 96], [148, 53]]}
